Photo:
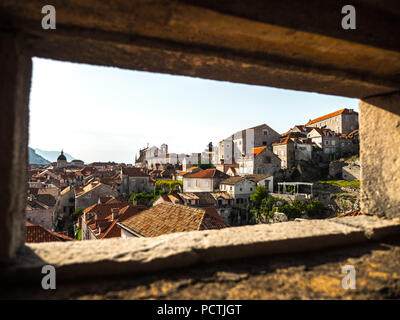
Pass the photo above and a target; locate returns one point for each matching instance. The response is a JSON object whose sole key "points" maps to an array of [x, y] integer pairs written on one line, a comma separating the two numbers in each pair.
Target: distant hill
{"points": [[34, 158], [53, 155]]}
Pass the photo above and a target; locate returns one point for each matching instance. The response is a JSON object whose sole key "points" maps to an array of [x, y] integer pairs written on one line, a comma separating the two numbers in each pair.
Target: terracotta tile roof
{"points": [[87, 171], [323, 131], [105, 199], [353, 133], [134, 172], [168, 218], [207, 174], [257, 151], [35, 233], [114, 231], [103, 224], [232, 180], [204, 199], [175, 198], [284, 140], [46, 199], [104, 209], [222, 194], [65, 191], [85, 189], [165, 197], [257, 177], [182, 173], [351, 213], [330, 115]]}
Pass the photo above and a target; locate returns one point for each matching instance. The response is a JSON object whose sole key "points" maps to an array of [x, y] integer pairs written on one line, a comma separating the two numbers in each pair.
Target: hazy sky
{"points": [[107, 114]]}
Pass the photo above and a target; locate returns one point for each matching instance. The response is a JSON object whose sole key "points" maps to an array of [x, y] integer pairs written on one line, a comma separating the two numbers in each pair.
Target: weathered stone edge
{"points": [[186, 249]]}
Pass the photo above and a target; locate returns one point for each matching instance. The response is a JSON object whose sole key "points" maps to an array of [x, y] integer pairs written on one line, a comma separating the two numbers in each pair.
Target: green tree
{"points": [[76, 214], [315, 208], [142, 198], [260, 193], [78, 233], [169, 186]]}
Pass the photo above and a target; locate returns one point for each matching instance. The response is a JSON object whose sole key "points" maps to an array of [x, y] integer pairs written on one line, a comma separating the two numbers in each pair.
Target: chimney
{"points": [[114, 213]]}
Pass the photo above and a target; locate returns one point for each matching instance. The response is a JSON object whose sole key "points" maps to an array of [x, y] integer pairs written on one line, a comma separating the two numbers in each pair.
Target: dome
{"points": [[61, 157]]}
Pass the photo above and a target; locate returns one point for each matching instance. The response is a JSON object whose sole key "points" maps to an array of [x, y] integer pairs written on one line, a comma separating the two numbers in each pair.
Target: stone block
{"points": [[15, 77], [379, 155]]}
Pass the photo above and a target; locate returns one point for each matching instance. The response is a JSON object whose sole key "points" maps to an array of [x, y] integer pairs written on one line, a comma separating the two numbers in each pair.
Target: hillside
{"points": [[35, 158], [53, 155]]}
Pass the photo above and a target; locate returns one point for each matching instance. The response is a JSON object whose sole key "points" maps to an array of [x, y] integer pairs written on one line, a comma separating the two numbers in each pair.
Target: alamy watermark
{"points": [[49, 280], [349, 280], [49, 20], [349, 20]]}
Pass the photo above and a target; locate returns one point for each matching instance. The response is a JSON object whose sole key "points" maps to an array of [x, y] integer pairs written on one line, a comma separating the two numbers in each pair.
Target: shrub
{"points": [[143, 198], [291, 211], [168, 185], [260, 193], [78, 233], [76, 214], [315, 208], [355, 184]]}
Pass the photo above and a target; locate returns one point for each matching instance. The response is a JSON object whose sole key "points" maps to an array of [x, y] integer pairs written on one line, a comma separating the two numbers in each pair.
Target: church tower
{"points": [[61, 160]]}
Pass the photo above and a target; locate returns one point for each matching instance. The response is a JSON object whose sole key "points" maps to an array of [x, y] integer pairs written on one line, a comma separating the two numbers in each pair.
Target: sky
{"points": [[100, 113]]}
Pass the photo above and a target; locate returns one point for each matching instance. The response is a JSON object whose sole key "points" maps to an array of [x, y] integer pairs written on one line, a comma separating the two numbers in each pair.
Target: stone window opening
{"points": [[379, 107]]}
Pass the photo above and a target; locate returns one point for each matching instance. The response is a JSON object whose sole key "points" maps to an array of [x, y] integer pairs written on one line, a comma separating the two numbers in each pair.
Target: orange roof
{"points": [[103, 224], [170, 218], [257, 151], [36, 233], [330, 115], [351, 134], [283, 140], [207, 174], [134, 172], [89, 208], [351, 213]]}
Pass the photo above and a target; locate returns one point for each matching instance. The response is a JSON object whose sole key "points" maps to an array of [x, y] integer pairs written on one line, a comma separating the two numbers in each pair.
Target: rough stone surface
{"points": [[315, 275], [282, 46], [374, 227], [15, 76], [110, 257], [379, 155], [229, 41], [351, 172], [280, 217]]}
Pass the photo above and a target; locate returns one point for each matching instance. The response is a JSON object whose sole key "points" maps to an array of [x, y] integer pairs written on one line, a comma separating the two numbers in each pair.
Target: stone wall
{"points": [[335, 168], [351, 172], [15, 78], [43, 217], [380, 155], [92, 197]]}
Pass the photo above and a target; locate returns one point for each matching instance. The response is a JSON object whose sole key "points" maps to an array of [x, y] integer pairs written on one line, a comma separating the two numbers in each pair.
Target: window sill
{"points": [[112, 257]]}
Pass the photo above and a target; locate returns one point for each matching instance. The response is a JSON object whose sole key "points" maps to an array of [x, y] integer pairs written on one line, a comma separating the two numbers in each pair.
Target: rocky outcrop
{"points": [[352, 171]]}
